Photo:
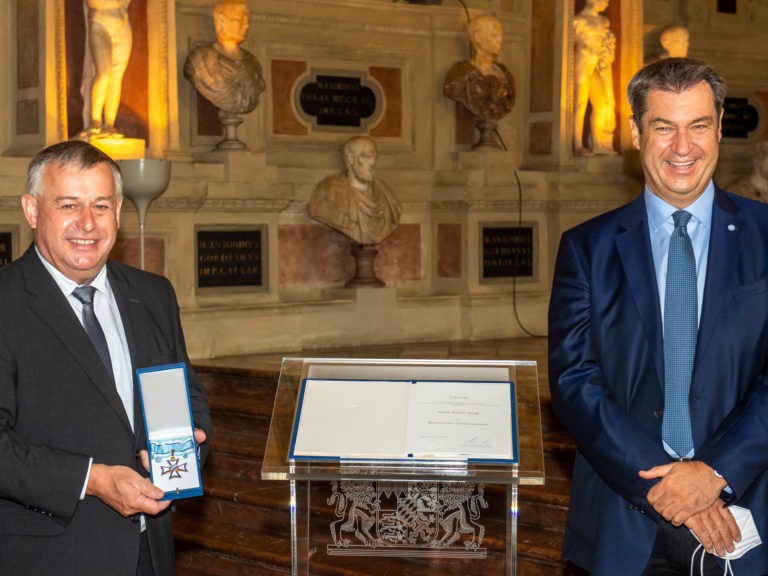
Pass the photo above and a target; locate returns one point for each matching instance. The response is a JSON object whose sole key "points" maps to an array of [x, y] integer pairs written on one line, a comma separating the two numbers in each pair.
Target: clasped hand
{"points": [[688, 494], [127, 491]]}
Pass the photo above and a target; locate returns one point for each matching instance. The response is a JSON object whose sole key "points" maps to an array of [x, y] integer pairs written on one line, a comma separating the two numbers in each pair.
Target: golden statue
{"points": [[594, 53], [109, 44]]}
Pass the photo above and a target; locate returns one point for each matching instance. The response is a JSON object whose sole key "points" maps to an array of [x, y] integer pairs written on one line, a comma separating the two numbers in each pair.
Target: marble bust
{"points": [[225, 74], [595, 46], [484, 86], [755, 184], [356, 203]]}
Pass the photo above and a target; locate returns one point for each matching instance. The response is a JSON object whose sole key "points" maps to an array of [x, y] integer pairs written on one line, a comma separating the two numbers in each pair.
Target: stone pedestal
{"points": [[365, 276], [230, 121]]}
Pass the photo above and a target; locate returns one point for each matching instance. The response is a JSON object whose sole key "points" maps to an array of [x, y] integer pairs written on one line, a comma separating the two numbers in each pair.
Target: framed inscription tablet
{"points": [[508, 251], [231, 257]]}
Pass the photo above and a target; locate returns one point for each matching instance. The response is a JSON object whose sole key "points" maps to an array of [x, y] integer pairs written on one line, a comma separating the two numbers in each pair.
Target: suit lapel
{"points": [[48, 302], [634, 249], [724, 246]]}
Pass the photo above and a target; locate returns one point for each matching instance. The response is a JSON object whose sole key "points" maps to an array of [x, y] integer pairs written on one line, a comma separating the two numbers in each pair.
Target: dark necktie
{"points": [[680, 328], [92, 326]]}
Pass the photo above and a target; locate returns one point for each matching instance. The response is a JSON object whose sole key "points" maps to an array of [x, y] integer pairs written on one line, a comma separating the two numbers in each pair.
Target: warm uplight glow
{"points": [[121, 148]]}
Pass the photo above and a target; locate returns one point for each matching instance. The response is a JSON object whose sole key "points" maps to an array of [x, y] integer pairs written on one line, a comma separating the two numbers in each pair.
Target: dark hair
{"points": [[71, 153], [673, 75]]}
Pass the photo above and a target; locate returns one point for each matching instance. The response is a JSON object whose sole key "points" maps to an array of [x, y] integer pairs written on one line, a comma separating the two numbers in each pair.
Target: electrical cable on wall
{"points": [[519, 211], [519, 225], [514, 278]]}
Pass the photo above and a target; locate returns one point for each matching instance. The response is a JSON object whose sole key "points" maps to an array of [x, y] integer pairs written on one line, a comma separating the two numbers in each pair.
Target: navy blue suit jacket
{"points": [[607, 377]]}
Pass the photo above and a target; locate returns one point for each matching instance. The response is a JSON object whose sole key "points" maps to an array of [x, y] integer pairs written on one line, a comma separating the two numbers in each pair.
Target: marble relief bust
{"points": [[484, 86], [355, 202], [226, 74]]}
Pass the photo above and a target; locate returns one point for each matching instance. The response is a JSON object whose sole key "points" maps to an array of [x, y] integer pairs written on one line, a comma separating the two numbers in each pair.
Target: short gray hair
{"points": [[69, 154]]}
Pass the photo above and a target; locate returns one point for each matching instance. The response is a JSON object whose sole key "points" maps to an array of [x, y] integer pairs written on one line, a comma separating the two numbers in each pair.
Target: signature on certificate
{"points": [[477, 442]]}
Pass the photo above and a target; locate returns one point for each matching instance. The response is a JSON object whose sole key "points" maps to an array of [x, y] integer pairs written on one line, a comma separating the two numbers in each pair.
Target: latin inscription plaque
{"points": [[507, 251], [230, 258], [339, 100]]}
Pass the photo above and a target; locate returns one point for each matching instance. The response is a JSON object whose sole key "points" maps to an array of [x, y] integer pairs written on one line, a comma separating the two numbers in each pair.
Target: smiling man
{"points": [[658, 333], [75, 497]]}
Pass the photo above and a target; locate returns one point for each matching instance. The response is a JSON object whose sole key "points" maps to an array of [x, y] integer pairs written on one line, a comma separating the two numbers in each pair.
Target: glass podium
{"points": [[401, 515]]}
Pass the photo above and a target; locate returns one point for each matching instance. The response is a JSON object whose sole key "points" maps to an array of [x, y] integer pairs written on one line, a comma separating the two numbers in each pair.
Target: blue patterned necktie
{"points": [[92, 326], [680, 328]]}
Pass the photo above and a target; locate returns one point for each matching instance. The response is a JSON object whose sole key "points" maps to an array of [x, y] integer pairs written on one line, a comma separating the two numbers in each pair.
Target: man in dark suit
{"points": [[636, 501], [74, 493]]}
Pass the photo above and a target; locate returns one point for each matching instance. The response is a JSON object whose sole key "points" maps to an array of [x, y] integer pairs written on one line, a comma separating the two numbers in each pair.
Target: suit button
{"points": [[658, 413]]}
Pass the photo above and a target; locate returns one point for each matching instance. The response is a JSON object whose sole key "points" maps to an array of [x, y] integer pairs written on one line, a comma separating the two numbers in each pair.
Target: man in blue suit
{"points": [[636, 502]]}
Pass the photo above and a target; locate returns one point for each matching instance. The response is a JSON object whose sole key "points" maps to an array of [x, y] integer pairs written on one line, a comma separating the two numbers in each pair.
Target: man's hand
{"points": [[125, 490], [715, 528], [685, 489]]}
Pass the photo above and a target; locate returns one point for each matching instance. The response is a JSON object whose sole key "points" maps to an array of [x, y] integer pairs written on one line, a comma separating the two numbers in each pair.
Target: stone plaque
{"points": [[6, 248], [339, 101], [507, 251], [231, 258], [739, 119]]}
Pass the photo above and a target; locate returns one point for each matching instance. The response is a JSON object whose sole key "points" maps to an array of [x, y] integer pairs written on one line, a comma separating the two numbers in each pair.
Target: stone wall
{"points": [[453, 198]]}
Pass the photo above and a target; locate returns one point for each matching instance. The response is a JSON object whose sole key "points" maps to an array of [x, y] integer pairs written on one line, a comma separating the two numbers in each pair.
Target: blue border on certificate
{"points": [[405, 459]]}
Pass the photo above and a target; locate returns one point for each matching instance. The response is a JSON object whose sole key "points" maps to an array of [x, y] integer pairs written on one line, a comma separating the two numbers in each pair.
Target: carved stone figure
{"points": [[594, 54], [484, 86], [675, 41], [358, 205], [225, 74], [110, 40], [755, 185]]}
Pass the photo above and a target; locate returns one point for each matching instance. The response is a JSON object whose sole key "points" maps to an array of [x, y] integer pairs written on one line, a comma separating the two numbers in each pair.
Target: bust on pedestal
{"points": [[483, 86], [225, 74], [358, 205]]}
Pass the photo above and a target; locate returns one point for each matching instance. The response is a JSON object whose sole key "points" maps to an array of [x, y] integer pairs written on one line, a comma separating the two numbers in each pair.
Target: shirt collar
{"points": [[66, 285], [660, 211]]}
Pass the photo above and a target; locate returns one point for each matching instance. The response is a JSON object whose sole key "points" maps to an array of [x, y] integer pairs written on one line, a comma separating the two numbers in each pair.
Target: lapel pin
{"points": [[731, 227]]}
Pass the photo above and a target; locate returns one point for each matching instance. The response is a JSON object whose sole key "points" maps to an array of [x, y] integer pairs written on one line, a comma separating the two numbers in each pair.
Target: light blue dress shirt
{"points": [[660, 226]]}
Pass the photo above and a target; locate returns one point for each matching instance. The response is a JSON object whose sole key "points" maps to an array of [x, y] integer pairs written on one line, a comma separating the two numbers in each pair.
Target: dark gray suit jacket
{"points": [[59, 408]]}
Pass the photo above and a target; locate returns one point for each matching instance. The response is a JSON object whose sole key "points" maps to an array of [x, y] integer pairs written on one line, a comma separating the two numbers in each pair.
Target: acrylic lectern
{"points": [[404, 467]]}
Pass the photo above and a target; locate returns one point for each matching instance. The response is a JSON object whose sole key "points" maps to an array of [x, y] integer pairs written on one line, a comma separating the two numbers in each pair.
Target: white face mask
{"points": [[749, 535]]}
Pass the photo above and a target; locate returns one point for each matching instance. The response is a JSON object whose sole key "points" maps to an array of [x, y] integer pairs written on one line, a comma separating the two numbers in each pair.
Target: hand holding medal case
{"points": [[173, 462]]}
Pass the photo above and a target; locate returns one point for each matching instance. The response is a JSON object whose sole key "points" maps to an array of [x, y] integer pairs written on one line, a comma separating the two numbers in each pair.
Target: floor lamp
{"points": [[144, 179]]}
